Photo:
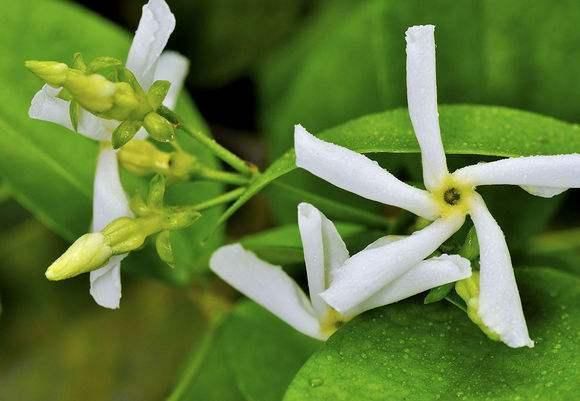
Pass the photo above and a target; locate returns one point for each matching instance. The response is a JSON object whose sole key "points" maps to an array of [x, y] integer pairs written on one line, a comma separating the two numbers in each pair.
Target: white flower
{"points": [[448, 198], [148, 62], [324, 253]]}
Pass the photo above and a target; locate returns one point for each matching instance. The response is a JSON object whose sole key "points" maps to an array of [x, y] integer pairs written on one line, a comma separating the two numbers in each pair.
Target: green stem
{"points": [[225, 198], [228, 157], [221, 176]]}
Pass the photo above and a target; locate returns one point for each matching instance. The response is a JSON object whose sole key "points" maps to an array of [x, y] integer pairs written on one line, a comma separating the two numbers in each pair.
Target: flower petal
{"points": [[540, 175], [426, 275], [172, 67], [500, 307], [324, 252], [109, 199], [358, 174], [46, 106], [106, 283], [267, 285], [370, 270], [422, 99], [156, 25]]}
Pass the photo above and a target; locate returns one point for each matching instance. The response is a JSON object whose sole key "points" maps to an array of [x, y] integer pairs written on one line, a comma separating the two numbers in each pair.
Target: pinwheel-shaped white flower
{"points": [[448, 198], [324, 253], [149, 63]]}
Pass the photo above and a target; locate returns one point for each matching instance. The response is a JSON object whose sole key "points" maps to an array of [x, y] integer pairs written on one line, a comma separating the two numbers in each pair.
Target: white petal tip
{"points": [[419, 32]]}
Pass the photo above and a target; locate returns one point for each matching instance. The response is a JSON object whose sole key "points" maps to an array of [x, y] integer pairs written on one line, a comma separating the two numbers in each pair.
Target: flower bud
{"points": [[125, 103], [143, 158], [159, 128], [125, 234], [88, 253], [93, 92], [468, 290], [51, 72], [156, 191], [124, 133]]}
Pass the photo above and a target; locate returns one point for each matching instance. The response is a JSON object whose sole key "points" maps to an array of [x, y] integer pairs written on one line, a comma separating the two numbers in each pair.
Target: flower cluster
{"points": [[389, 270]]}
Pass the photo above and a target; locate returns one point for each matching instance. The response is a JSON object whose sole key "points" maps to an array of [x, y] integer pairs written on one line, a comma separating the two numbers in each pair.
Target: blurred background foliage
{"points": [[258, 67]]}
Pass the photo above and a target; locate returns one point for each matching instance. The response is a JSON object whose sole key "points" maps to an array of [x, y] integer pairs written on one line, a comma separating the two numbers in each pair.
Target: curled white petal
{"points": [[367, 272], [109, 199], [106, 283], [540, 175], [422, 99], [46, 106], [500, 307], [324, 251], [358, 174], [172, 67], [156, 25], [426, 275], [267, 285]]}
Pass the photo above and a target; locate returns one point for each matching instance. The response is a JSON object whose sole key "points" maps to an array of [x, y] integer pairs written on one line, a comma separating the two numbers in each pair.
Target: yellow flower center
{"points": [[331, 322], [453, 196]]}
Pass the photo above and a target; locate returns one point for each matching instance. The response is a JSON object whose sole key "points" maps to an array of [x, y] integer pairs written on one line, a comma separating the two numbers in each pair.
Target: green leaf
{"points": [[44, 164], [251, 356], [264, 352], [419, 352], [466, 130], [350, 61]]}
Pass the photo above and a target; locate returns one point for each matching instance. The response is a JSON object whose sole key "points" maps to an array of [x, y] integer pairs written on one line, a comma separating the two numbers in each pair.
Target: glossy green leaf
{"points": [[430, 352], [264, 352], [44, 164], [466, 130], [350, 61]]}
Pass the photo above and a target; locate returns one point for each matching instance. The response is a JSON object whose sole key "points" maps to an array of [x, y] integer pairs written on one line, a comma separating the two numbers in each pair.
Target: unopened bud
{"points": [[143, 158], [164, 248], [93, 92], [125, 234], [125, 102], [157, 93], [124, 133], [88, 253], [159, 128], [51, 72], [470, 248], [468, 290]]}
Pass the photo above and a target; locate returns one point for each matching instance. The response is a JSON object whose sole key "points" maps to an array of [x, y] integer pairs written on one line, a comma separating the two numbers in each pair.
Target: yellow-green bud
{"points": [[126, 234], [164, 249], [143, 158], [182, 165], [124, 133], [139, 206], [159, 128], [157, 93], [88, 253], [125, 103], [51, 72], [468, 290], [93, 92]]}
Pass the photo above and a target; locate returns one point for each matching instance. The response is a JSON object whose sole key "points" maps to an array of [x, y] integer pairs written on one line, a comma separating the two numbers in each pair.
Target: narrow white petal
{"points": [[267, 285], [94, 127], [324, 251], [370, 270], [109, 199], [544, 176], [156, 25], [422, 99], [500, 307], [358, 174], [172, 67], [46, 106], [424, 276], [106, 283]]}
